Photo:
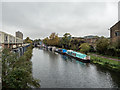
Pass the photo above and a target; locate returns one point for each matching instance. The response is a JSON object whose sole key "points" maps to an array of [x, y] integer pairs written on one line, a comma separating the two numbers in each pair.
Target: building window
{"points": [[117, 33], [6, 38]]}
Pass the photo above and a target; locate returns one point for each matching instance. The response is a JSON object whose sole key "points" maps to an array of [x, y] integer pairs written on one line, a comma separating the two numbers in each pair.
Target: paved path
{"points": [[106, 57]]}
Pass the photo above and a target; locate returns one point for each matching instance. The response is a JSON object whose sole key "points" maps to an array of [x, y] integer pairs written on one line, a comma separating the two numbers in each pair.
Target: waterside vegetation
{"points": [[107, 63], [17, 71], [102, 46]]}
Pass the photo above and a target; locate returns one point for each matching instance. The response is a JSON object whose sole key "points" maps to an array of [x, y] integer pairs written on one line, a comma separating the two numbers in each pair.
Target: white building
{"points": [[7, 40]]}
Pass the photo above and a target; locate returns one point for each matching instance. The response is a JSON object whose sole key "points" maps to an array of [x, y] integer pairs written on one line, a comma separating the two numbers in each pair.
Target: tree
{"points": [[16, 71], [65, 41], [56, 40], [111, 50], [102, 45], [75, 43], [67, 35], [53, 40], [92, 48], [52, 36], [36, 40], [28, 40], [45, 41], [84, 48]]}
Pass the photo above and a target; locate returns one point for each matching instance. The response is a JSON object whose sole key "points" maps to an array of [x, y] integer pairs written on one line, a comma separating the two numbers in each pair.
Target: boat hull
{"points": [[79, 59], [61, 52]]}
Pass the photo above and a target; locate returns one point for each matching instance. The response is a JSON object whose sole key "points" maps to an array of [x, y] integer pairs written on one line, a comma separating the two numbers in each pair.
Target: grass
{"points": [[101, 59], [108, 63], [114, 57]]}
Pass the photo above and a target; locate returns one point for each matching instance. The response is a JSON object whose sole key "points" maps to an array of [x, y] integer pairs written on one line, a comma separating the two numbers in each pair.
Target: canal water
{"points": [[59, 71]]}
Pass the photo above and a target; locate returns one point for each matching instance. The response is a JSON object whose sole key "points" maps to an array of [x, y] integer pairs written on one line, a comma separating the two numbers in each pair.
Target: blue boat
{"points": [[61, 51]]}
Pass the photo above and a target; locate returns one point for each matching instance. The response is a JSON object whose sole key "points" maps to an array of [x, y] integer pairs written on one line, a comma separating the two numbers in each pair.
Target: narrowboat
{"points": [[79, 56], [53, 49], [49, 48], [61, 51]]}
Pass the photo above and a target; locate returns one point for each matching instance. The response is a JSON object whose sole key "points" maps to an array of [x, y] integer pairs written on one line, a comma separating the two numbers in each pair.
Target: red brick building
{"points": [[91, 40], [115, 32]]}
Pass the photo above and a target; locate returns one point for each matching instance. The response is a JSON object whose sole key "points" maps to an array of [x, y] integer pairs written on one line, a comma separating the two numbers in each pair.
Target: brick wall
{"points": [[115, 32]]}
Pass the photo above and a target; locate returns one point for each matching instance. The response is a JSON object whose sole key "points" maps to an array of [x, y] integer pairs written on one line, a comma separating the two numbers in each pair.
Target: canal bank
{"points": [[110, 64], [59, 71], [17, 71]]}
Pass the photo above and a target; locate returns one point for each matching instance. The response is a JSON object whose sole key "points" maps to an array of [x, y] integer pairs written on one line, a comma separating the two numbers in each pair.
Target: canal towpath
{"points": [[106, 57]]}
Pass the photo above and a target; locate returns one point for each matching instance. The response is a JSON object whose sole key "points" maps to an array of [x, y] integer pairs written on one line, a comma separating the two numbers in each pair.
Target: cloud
{"points": [[59, 0], [40, 19]]}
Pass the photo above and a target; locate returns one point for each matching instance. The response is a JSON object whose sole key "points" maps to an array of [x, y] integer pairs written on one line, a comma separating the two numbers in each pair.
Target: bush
{"points": [[16, 72], [84, 48], [91, 49], [102, 45]]}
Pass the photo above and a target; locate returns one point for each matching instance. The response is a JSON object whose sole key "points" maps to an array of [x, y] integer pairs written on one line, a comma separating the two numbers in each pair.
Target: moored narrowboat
{"points": [[49, 48], [53, 49], [61, 51], [79, 56]]}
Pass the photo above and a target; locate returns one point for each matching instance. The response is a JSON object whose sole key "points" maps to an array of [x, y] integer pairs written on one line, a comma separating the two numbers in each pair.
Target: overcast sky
{"points": [[40, 19]]}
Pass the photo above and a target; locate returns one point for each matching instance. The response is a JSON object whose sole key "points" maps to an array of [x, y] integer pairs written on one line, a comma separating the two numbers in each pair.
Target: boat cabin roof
{"points": [[78, 53], [70, 50]]}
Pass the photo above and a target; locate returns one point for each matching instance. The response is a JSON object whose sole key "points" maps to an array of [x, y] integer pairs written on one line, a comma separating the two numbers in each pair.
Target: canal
{"points": [[58, 71]]}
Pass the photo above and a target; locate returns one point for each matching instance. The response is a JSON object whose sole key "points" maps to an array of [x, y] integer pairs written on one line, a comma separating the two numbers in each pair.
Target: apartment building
{"points": [[7, 40]]}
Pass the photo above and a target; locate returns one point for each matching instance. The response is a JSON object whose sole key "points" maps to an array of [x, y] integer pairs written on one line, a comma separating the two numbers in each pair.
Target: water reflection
{"points": [[114, 75], [67, 58], [52, 55], [59, 71]]}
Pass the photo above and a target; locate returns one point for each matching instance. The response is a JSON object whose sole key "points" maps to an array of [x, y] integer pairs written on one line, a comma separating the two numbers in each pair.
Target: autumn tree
{"points": [[53, 40], [28, 40], [45, 41]]}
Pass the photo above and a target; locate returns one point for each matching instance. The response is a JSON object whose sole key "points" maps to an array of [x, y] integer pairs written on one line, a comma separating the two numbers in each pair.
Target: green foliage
{"points": [[45, 41], [67, 35], [28, 40], [73, 47], [84, 48], [53, 40], [17, 71], [111, 50], [118, 53], [102, 45], [36, 40], [65, 41], [91, 49], [75, 43], [105, 48], [108, 63]]}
